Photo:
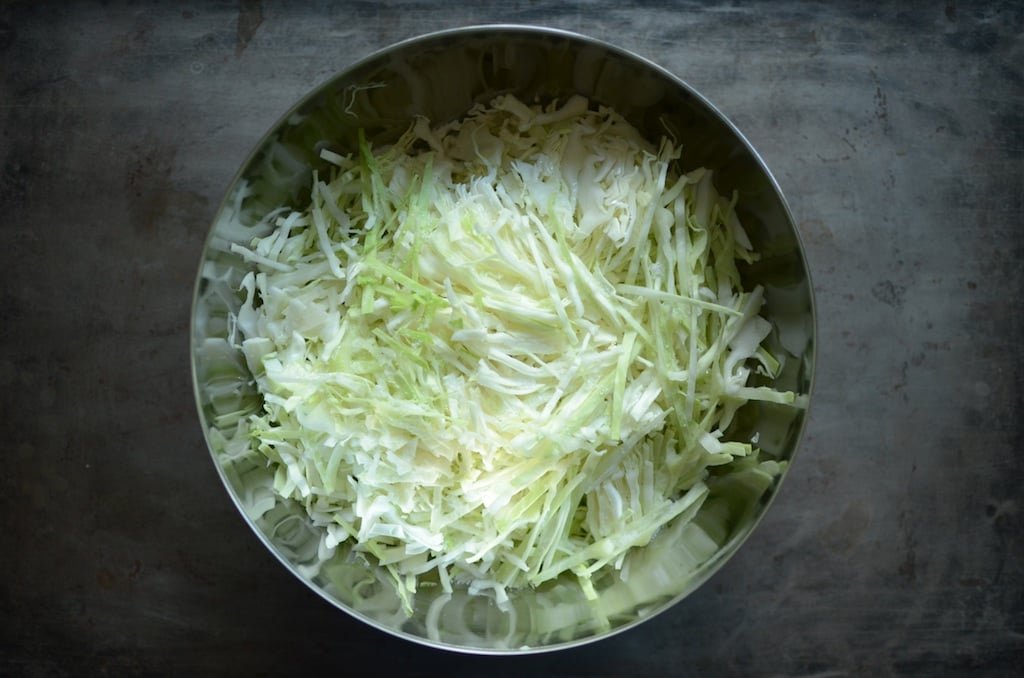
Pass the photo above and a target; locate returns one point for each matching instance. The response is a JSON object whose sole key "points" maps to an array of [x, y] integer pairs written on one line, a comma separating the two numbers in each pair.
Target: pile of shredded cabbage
{"points": [[502, 350]]}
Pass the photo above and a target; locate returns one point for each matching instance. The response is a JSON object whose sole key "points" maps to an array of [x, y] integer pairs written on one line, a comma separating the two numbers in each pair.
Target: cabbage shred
{"points": [[503, 350]]}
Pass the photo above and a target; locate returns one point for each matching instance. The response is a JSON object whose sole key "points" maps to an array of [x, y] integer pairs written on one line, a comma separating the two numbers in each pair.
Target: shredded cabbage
{"points": [[503, 350]]}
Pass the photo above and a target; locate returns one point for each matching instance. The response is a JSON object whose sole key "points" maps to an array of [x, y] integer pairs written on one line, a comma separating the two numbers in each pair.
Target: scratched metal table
{"points": [[897, 134]]}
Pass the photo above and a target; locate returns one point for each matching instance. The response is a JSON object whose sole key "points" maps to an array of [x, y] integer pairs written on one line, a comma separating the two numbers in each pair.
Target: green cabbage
{"points": [[504, 350]]}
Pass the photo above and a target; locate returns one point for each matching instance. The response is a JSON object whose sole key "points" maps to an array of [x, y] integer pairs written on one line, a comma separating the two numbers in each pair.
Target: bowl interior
{"points": [[441, 76]]}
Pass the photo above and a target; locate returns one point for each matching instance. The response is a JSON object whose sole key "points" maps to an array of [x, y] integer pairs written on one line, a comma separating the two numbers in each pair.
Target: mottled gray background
{"points": [[896, 131]]}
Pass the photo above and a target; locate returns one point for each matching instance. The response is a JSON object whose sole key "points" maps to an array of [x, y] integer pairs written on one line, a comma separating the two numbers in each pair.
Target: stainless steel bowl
{"points": [[441, 76]]}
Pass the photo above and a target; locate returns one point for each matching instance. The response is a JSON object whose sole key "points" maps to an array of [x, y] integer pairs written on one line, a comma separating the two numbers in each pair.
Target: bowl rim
{"points": [[710, 569]]}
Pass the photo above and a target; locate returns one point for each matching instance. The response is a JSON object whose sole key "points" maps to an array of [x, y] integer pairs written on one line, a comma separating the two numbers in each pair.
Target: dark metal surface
{"points": [[896, 134]]}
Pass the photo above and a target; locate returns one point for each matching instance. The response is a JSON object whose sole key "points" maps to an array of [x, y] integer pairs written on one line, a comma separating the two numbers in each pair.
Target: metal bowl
{"points": [[441, 76]]}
